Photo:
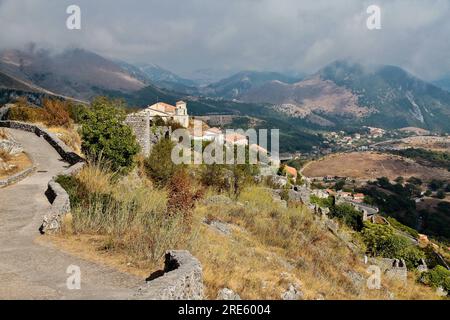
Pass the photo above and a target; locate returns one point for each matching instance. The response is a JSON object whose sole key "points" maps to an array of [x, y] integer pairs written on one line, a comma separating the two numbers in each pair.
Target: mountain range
{"points": [[350, 93], [341, 94]]}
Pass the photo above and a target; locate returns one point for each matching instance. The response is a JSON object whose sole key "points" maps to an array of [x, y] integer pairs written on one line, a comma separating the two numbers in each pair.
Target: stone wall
{"points": [[182, 279], [60, 201], [141, 128], [393, 268], [16, 177], [146, 134], [64, 151]]}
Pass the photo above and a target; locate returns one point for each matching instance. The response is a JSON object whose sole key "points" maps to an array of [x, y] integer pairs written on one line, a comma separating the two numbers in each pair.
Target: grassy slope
{"points": [[269, 247]]}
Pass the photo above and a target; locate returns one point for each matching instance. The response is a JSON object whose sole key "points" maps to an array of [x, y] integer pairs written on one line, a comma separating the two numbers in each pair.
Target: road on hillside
{"points": [[29, 270]]}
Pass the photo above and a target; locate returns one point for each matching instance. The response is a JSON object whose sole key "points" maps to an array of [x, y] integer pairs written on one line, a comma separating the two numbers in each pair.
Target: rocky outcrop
{"points": [[293, 292], [218, 199], [16, 177], [227, 294], [181, 279], [4, 111], [278, 181], [11, 147], [219, 226]]}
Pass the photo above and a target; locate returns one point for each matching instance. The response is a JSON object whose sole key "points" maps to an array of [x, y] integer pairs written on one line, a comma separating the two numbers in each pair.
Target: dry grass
{"points": [[269, 247], [3, 134], [371, 165], [5, 155], [20, 163], [69, 136], [272, 247], [130, 217], [434, 143]]}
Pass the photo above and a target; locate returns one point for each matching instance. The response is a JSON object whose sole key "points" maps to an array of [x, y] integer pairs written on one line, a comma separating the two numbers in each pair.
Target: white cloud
{"points": [[240, 34]]}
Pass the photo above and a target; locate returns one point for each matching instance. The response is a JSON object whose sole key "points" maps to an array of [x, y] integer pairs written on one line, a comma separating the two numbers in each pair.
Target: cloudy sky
{"points": [[231, 35]]}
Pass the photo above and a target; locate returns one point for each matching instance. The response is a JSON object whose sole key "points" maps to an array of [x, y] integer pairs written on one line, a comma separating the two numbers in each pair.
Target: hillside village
{"points": [[342, 215]]}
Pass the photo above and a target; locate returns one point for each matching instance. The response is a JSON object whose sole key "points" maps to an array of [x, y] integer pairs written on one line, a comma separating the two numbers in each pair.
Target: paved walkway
{"points": [[32, 271]]}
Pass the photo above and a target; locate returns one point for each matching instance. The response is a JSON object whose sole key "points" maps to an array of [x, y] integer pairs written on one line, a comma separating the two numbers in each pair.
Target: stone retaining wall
{"points": [[60, 200], [182, 279], [64, 151], [16, 177]]}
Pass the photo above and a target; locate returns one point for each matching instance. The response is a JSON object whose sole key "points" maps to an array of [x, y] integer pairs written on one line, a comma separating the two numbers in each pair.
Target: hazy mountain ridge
{"points": [[342, 93], [400, 98], [239, 84], [76, 72], [346, 92], [443, 83]]}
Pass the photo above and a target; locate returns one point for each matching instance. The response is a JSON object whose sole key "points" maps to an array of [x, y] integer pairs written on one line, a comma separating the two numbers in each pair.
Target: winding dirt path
{"points": [[29, 270]]}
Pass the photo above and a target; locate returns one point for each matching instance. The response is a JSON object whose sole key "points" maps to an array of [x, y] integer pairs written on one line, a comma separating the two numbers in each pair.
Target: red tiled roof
{"points": [[290, 170], [165, 107]]}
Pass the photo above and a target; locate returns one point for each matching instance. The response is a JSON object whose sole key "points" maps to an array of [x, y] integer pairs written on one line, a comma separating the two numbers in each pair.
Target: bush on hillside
{"points": [[322, 202], [159, 165], [400, 226], [214, 175], [105, 134], [381, 240], [54, 112], [183, 194], [77, 112], [131, 217], [437, 277], [347, 214]]}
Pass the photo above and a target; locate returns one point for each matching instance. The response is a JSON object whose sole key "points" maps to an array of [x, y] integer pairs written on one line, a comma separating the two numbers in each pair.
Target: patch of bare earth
{"points": [[94, 248], [371, 165], [433, 143]]}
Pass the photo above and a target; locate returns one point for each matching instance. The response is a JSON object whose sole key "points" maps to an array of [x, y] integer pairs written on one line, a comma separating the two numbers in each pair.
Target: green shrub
{"points": [[348, 214], [105, 135], [214, 175], [159, 165], [400, 226], [77, 112], [322, 202], [440, 194], [381, 240], [438, 277]]}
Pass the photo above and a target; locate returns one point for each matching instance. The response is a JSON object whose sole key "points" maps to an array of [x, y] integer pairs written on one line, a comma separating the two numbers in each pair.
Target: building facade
{"points": [[167, 112]]}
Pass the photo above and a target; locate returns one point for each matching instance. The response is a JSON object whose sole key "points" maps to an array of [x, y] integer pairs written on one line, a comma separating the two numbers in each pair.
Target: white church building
{"points": [[167, 112]]}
